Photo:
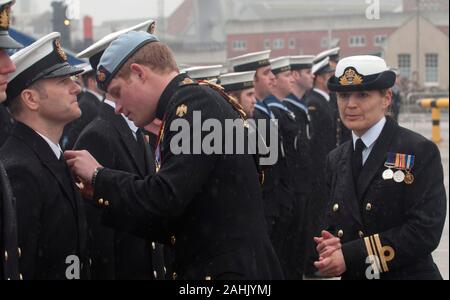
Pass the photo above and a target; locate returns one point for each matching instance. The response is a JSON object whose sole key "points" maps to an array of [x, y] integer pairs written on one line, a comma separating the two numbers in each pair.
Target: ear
{"points": [[387, 99], [30, 99], [139, 71]]}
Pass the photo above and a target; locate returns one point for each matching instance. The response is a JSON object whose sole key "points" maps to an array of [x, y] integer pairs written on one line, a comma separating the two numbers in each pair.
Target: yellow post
{"points": [[435, 105], [436, 117]]}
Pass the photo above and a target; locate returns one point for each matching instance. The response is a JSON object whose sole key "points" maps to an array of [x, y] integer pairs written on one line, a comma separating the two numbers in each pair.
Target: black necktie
{"points": [[357, 159]]}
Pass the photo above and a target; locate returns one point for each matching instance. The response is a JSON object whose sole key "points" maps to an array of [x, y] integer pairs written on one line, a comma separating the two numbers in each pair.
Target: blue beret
{"points": [[118, 53]]}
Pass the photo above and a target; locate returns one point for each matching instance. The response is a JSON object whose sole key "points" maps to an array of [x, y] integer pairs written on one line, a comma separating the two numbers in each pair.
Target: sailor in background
{"points": [[342, 132], [204, 73], [287, 208], [301, 68], [242, 87]]}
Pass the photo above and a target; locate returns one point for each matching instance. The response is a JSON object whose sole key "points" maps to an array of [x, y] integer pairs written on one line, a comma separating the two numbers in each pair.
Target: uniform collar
{"points": [[56, 148], [272, 99], [372, 135], [167, 95], [99, 97], [323, 93], [130, 124], [293, 97]]}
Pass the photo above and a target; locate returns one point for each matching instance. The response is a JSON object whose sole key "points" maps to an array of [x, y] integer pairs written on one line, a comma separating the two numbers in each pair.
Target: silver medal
{"points": [[388, 174], [399, 176]]}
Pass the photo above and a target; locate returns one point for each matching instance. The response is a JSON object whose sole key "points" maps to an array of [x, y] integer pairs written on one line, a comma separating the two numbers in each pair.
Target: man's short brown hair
{"points": [[15, 106], [156, 55]]}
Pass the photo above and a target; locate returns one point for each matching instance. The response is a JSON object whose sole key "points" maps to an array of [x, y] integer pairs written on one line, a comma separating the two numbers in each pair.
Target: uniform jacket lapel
{"points": [[377, 157], [149, 159], [47, 157], [128, 140]]}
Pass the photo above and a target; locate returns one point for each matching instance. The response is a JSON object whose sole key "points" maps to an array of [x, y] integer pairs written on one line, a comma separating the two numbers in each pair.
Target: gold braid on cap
{"points": [[60, 50], [351, 77], [4, 16]]}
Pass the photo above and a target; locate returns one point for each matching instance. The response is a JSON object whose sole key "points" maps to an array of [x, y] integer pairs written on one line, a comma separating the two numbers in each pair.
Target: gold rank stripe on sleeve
{"points": [[376, 240], [387, 253], [377, 254], [374, 262], [384, 254]]}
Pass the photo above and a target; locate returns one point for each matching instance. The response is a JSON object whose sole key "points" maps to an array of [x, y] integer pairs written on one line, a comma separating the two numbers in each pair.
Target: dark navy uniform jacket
{"points": [[398, 224]]}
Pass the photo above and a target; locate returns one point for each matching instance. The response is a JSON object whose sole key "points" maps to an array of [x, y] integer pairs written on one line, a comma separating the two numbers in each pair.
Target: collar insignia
{"points": [[182, 111]]}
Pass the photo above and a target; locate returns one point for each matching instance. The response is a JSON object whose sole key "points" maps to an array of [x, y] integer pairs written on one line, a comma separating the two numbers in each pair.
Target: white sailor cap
{"points": [[322, 67], [280, 65], [6, 41], [204, 72], [42, 60], [250, 62], [86, 67], [332, 54], [301, 62], [183, 66], [238, 81], [362, 73], [95, 51]]}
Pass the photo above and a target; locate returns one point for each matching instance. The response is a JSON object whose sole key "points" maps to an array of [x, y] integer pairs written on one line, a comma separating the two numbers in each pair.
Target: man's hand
{"points": [[82, 164]]}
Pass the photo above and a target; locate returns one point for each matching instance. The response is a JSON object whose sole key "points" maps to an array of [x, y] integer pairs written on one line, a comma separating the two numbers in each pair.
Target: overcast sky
{"points": [[102, 10]]}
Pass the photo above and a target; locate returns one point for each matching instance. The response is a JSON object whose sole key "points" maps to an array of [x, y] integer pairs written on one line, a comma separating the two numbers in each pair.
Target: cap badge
{"points": [[4, 17], [152, 28], [182, 111], [351, 77], [60, 50], [101, 77]]}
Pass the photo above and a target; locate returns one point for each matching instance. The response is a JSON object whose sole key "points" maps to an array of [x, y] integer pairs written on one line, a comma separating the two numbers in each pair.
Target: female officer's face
{"points": [[360, 111]]}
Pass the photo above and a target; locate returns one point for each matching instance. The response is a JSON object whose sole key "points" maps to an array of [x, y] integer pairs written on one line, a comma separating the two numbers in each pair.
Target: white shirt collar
{"points": [[132, 126], [56, 148], [372, 135], [323, 93], [99, 97]]}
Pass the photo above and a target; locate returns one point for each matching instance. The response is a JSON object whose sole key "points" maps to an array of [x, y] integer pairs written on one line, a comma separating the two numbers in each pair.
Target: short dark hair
{"points": [[15, 106]]}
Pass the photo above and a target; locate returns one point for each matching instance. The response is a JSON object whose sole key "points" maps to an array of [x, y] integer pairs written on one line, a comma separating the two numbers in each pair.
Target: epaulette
{"points": [[233, 101]]}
